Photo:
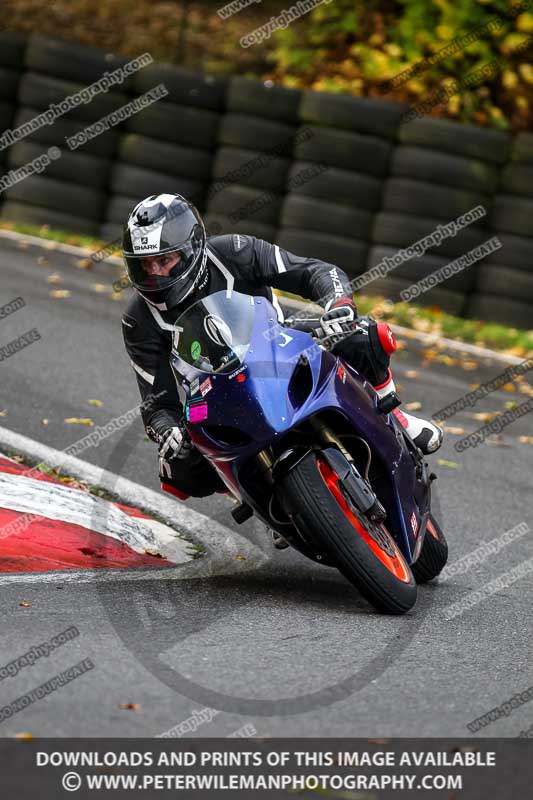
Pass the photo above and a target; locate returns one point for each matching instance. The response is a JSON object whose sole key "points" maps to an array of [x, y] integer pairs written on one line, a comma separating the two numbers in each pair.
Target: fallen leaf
{"points": [[415, 406], [3, 412], [115, 296], [155, 553], [412, 373], [469, 366], [96, 403], [75, 483], [509, 387], [25, 604], [45, 421], [423, 325], [43, 260], [510, 404], [23, 245], [59, 293], [453, 430], [451, 464], [448, 360], [54, 278], [24, 735], [100, 287], [430, 355], [526, 439], [482, 416], [129, 706], [496, 440], [84, 263], [79, 421], [240, 558]]}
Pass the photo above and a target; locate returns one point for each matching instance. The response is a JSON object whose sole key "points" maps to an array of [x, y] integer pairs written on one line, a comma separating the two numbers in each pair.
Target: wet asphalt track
{"points": [[288, 647]]}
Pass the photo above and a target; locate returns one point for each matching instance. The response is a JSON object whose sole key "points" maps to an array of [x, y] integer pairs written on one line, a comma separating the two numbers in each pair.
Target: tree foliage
{"points": [[346, 46], [355, 49]]}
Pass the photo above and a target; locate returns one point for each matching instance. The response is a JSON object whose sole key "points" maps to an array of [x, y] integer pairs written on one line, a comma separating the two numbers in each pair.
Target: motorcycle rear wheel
{"points": [[433, 555], [363, 551]]}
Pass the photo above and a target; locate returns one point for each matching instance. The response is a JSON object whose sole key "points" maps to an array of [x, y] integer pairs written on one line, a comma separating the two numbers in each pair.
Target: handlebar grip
{"points": [[306, 324]]}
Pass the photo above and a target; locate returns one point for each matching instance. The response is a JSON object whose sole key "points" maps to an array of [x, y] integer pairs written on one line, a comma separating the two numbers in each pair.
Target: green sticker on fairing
{"points": [[196, 349]]}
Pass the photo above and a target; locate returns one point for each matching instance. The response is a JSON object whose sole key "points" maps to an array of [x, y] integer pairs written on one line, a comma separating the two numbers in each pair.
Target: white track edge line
{"points": [[222, 543], [52, 244]]}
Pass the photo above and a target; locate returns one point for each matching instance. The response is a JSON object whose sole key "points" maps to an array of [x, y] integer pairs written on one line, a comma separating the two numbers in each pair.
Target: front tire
{"points": [[363, 551]]}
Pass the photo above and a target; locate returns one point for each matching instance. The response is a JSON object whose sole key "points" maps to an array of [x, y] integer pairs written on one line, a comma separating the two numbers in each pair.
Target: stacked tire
{"points": [[440, 170], [504, 285], [12, 47], [168, 147], [335, 183], [70, 194], [254, 151]]}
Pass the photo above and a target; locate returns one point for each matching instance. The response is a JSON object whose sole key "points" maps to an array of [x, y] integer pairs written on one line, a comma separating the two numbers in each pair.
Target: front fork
{"points": [[327, 437], [356, 488]]}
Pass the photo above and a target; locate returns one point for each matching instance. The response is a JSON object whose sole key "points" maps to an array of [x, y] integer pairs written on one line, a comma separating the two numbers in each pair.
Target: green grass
{"points": [[52, 234], [432, 320], [502, 338]]}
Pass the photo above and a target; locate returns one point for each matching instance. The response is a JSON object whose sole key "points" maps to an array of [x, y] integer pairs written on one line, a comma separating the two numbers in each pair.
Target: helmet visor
{"points": [[151, 273]]}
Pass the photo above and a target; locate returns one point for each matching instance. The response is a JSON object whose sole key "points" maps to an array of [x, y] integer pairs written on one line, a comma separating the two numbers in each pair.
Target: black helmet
{"points": [[164, 247]]}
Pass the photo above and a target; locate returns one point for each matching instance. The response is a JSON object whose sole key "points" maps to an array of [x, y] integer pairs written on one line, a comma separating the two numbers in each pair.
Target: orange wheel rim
{"points": [[395, 564]]}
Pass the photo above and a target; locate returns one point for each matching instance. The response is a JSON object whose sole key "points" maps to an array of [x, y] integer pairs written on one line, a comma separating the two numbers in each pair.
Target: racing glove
{"points": [[339, 318], [175, 443]]}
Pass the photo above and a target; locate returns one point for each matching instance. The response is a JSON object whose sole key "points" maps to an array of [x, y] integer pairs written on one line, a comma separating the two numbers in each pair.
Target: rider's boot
{"points": [[426, 435]]}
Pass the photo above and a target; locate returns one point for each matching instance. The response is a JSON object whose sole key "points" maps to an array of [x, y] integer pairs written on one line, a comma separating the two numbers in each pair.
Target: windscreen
{"points": [[214, 334]]}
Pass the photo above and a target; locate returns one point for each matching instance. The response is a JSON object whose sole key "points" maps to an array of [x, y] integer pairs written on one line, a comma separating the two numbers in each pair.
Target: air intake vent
{"points": [[301, 384], [227, 435]]}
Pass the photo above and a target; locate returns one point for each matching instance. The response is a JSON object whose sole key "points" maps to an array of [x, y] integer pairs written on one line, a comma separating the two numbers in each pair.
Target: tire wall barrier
{"points": [[340, 178]]}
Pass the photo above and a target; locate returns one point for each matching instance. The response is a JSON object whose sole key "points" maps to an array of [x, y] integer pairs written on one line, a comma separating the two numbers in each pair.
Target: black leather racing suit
{"points": [[252, 266]]}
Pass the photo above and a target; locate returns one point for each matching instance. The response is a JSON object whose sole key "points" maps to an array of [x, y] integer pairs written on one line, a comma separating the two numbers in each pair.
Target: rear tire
{"points": [[314, 500], [433, 556]]}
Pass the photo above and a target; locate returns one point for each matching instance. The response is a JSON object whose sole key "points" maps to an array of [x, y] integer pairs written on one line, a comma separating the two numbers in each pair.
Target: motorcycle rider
{"points": [[172, 264]]}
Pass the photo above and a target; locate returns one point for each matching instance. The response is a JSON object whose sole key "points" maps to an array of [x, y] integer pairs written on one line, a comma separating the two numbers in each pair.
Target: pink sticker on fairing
{"points": [[197, 412]]}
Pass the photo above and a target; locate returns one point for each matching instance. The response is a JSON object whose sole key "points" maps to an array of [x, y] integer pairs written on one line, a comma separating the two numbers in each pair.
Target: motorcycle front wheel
{"points": [[363, 551]]}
